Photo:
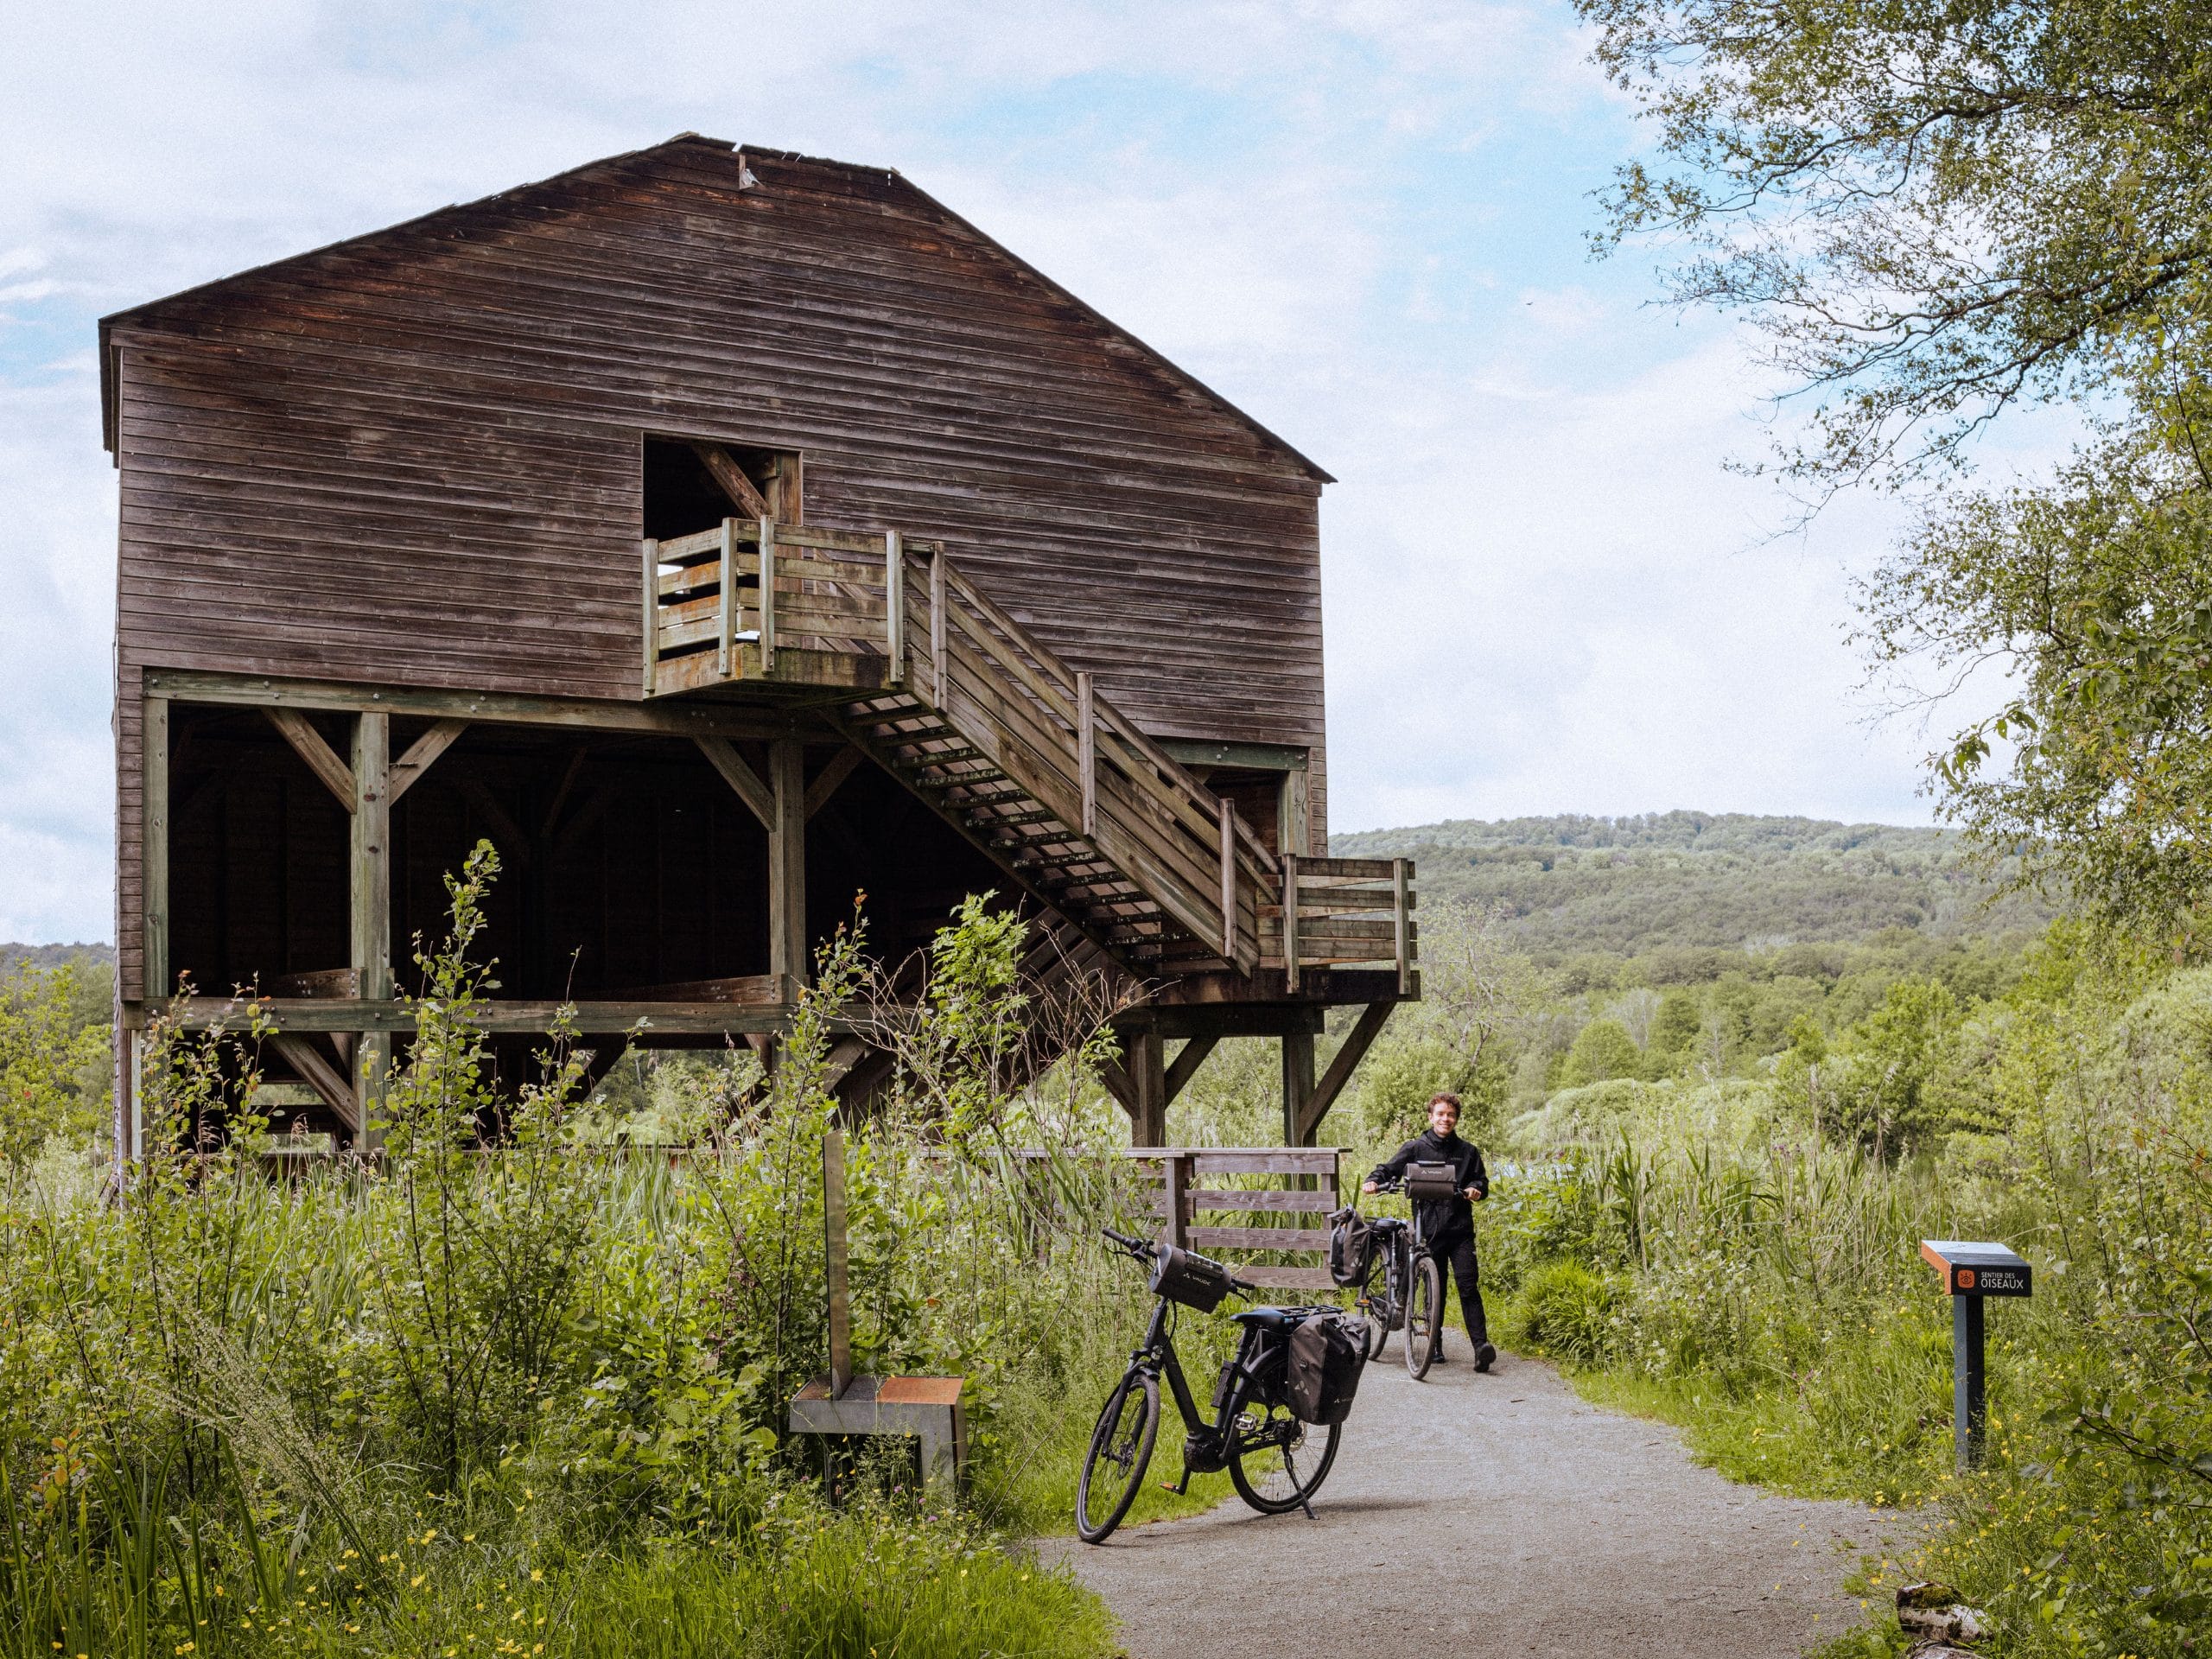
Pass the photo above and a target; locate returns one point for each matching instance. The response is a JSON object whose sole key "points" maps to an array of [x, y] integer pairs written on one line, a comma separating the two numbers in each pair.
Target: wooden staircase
{"points": [[954, 697]]}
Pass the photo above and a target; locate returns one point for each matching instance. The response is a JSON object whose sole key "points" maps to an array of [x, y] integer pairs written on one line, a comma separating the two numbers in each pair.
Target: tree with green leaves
{"points": [[1933, 211]]}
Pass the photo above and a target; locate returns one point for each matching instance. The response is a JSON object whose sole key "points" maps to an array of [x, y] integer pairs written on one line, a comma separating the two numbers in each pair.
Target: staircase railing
{"points": [[759, 600]]}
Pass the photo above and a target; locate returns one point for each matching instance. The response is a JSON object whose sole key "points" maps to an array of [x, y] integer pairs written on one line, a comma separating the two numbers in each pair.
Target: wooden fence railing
{"points": [[1190, 1188]]}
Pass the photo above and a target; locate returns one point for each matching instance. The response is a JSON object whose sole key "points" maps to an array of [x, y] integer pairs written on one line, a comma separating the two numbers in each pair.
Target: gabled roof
{"points": [[457, 217]]}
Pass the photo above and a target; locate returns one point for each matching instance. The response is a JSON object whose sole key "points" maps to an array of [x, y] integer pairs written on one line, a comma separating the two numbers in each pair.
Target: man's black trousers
{"points": [[1455, 1248]]}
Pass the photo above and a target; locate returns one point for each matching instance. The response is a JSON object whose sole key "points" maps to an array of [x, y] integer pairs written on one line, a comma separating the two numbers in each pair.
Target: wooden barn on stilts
{"points": [[720, 532]]}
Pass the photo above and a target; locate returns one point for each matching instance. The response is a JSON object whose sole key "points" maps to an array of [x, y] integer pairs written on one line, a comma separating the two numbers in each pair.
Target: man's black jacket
{"points": [[1440, 1216]]}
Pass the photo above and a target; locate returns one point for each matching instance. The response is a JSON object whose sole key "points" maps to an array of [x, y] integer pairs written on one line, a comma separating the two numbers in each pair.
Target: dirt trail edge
{"points": [[1501, 1514]]}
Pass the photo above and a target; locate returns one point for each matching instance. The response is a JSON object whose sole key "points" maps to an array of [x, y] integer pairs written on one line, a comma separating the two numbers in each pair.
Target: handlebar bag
{"points": [[1427, 1183], [1351, 1249], [1190, 1280], [1321, 1372]]}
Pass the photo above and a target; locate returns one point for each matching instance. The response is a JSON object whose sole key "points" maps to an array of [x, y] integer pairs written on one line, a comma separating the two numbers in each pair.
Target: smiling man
{"points": [[1449, 1224]]}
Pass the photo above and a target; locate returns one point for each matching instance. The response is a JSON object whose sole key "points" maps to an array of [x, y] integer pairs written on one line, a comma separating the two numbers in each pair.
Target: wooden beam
{"points": [[665, 719], [1402, 912], [1120, 1085], [725, 600], [730, 478], [577, 756], [370, 884], [1086, 751], [788, 937], [315, 1070], [741, 778], [1297, 1087], [831, 779], [507, 835], [1290, 918], [422, 753], [649, 630], [1342, 1065], [342, 1016], [1228, 880], [154, 850], [894, 606], [938, 597], [323, 760], [1187, 1061]]}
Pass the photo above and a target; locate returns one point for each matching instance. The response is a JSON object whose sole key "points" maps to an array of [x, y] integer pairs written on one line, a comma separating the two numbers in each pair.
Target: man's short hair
{"points": [[1445, 1097]]}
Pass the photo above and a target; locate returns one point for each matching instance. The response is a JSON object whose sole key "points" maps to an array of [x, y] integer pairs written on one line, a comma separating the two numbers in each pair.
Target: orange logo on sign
{"points": [[1966, 1278]]}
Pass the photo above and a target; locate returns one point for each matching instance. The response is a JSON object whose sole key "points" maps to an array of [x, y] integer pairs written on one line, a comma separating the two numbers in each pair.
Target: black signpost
{"points": [[1971, 1272]]}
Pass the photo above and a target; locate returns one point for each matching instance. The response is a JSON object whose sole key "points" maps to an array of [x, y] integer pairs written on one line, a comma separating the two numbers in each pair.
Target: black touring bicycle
{"points": [[1278, 1405]]}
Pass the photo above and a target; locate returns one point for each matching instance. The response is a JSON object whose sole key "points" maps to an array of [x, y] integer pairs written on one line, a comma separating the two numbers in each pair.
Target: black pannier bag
{"points": [[1352, 1248], [1321, 1372], [1427, 1183], [1191, 1280]]}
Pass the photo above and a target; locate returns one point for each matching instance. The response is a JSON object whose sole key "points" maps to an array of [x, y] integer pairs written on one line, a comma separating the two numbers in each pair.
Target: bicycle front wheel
{"points": [[1120, 1449], [1424, 1316], [1276, 1463]]}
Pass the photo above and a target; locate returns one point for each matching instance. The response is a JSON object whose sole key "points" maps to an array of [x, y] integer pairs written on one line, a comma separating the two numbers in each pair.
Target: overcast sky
{"points": [[1364, 223]]}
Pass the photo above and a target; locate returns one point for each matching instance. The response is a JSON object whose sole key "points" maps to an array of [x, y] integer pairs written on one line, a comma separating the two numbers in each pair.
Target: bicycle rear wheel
{"points": [[1275, 1461], [1424, 1316], [1378, 1310], [1120, 1449]]}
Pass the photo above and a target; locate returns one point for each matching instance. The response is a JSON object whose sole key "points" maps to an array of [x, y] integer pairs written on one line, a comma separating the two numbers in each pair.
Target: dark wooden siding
{"points": [[413, 458]]}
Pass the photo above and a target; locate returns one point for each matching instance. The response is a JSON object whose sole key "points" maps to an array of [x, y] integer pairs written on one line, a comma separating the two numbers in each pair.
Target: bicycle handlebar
{"points": [[1145, 1251]]}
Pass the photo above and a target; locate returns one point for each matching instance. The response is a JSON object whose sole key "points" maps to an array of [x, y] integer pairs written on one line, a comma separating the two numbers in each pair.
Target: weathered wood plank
{"points": [[1259, 1238], [731, 479], [842, 764], [758, 798], [370, 866], [322, 760], [422, 753], [154, 858]]}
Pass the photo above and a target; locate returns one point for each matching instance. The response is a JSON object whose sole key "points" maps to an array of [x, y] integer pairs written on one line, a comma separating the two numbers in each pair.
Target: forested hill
{"points": [[1630, 885]]}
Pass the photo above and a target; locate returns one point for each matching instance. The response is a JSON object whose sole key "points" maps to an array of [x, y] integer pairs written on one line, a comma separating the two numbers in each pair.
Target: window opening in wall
{"points": [[693, 483]]}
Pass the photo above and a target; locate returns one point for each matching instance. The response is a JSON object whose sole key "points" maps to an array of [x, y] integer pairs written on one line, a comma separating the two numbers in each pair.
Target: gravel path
{"points": [[1490, 1514]]}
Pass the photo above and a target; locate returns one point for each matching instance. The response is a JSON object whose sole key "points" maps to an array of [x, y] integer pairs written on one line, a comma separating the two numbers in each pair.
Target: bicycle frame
{"points": [[1205, 1446]]}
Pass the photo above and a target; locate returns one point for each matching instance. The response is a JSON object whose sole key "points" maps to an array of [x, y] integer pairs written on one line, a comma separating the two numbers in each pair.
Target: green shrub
{"points": [[1564, 1310]]}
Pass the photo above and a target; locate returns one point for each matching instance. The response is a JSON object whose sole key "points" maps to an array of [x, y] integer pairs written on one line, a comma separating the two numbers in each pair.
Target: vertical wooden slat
{"points": [[652, 618], [787, 861], [154, 852], [726, 630], [1086, 745], [1290, 918], [1398, 885], [833, 1241], [1293, 822], [1175, 1178], [136, 1123], [370, 866], [767, 595], [1227, 882], [937, 624], [894, 605]]}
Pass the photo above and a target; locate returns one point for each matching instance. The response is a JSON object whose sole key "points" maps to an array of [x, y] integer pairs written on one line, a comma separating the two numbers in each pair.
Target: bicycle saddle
{"points": [[1276, 1319]]}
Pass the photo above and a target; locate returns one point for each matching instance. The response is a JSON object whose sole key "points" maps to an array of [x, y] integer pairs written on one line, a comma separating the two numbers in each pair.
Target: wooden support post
{"points": [[1297, 1087], [894, 606], [1294, 822], [1140, 1083], [651, 629], [834, 1263], [154, 852], [758, 799], [726, 609], [1290, 918], [370, 866], [1086, 747], [730, 478], [1401, 906], [787, 953], [134, 1125], [1175, 1191], [767, 629], [1228, 881], [936, 624]]}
